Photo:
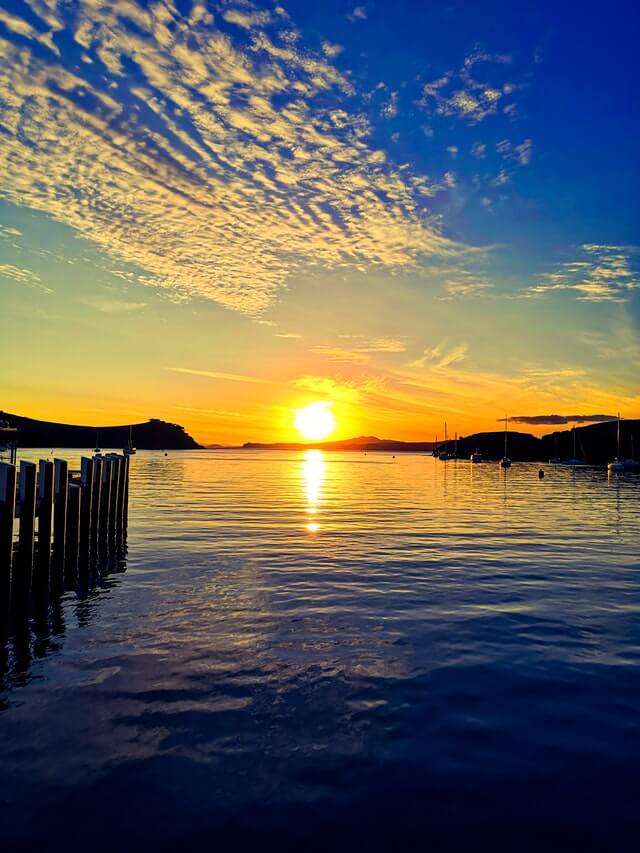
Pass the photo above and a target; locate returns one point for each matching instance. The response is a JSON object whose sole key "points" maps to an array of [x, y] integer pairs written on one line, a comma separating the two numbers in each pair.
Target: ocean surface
{"points": [[336, 651]]}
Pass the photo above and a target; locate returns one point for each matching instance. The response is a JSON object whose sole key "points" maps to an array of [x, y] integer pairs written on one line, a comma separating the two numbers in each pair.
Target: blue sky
{"points": [[412, 210]]}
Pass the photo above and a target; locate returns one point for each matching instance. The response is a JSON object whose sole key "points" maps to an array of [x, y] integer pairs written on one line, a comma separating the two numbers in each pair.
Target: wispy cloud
{"points": [[360, 349], [212, 374], [23, 276], [602, 274], [338, 389], [462, 95], [114, 306], [520, 153], [214, 152], [441, 356], [358, 14], [560, 419], [466, 284]]}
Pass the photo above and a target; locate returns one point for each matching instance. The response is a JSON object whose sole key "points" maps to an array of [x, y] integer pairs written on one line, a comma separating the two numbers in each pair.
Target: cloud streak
{"points": [[560, 419], [212, 374], [601, 274], [212, 151]]}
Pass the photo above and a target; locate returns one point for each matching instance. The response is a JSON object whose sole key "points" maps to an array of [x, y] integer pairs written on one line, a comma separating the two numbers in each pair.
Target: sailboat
{"points": [[476, 456], [618, 464], [574, 459], [505, 462], [435, 452], [130, 450], [445, 454], [96, 449]]}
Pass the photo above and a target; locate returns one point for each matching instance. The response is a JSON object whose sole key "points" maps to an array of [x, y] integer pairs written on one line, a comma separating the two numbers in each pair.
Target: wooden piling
{"points": [[73, 523], [97, 498], [27, 491], [122, 486], [125, 515], [7, 512], [45, 510], [113, 496], [105, 496], [86, 505], [60, 492]]}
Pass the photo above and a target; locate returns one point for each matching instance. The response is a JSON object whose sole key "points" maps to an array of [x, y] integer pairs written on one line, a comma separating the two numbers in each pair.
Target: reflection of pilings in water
{"points": [[80, 538], [32, 617]]}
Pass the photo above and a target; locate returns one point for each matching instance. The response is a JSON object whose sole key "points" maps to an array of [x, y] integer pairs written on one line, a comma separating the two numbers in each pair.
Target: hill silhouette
{"points": [[595, 444], [153, 434]]}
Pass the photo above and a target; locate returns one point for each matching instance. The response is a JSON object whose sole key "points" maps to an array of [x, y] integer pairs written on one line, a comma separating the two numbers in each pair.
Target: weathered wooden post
{"points": [[45, 511], [97, 498], [7, 512], [60, 492], [113, 498], [27, 493], [86, 506], [73, 523], [126, 490], [105, 496], [122, 489]]}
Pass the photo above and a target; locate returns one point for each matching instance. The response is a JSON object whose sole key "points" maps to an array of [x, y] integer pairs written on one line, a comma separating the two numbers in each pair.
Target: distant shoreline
{"points": [[594, 444]]}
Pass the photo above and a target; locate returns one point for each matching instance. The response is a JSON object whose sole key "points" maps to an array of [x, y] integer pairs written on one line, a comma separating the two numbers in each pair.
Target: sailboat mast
{"points": [[506, 421], [618, 451], [574, 442]]}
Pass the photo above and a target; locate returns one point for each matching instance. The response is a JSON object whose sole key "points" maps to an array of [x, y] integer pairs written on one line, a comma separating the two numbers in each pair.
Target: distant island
{"points": [[594, 444], [153, 434]]}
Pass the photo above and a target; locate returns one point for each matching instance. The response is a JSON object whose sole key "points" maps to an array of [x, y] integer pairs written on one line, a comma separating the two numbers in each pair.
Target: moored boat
{"points": [[505, 462]]}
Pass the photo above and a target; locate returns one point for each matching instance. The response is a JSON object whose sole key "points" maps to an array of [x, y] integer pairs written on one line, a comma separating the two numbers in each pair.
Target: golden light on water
{"points": [[315, 421], [313, 472]]}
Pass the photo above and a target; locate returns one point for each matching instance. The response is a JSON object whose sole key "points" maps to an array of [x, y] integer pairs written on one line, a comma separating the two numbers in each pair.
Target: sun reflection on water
{"points": [[313, 472]]}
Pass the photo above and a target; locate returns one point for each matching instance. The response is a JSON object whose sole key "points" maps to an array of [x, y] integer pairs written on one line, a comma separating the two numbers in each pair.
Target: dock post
{"points": [[60, 491], [105, 496], [45, 511], [97, 498], [122, 486], [125, 513], [73, 523], [86, 505], [27, 490], [113, 498], [7, 512]]}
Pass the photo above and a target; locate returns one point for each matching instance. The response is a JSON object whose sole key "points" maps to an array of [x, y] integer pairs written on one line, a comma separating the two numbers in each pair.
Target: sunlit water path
{"points": [[339, 644]]}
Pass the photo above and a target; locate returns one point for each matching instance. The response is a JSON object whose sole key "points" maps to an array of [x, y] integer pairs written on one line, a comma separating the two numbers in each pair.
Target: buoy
{"points": [[541, 474]]}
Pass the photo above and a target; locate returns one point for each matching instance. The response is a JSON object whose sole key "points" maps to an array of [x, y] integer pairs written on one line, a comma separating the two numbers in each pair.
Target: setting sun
{"points": [[315, 421]]}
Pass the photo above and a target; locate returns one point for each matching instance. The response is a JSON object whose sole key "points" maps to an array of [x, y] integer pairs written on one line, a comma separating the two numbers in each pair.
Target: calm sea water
{"points": [[334, 650]]}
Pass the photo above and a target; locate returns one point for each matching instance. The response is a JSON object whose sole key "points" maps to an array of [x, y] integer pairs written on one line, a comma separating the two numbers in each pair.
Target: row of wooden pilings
{"points": [[75, 510]]}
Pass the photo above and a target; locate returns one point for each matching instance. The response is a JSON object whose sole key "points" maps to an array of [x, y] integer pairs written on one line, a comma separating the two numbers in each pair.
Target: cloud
{"points": [[23, 276], [114, 306], [520, 154], [210, 374], [390, 108], [361, 349], [560, 419], [479, 150], [358, 14], [467, 285], [339, 390], [441, 356], [602, 273], [7, 231], [461, 95], [213, 153]]}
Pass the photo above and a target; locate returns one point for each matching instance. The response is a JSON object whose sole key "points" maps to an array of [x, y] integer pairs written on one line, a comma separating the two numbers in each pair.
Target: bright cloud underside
{"points": [[209, 149]]}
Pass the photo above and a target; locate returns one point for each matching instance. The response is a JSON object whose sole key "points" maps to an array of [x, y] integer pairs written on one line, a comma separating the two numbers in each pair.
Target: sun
{"points": [[315, 421]]}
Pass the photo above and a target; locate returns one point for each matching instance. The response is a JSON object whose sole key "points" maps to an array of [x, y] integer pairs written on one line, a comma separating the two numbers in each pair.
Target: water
{"points": [[334, 649]]}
